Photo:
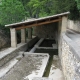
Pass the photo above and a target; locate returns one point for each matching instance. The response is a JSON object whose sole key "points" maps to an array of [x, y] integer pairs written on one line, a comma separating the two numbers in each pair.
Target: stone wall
{"points": [[70, 59], [46, 31], [74, 25], [10, 53], [4, 39]]}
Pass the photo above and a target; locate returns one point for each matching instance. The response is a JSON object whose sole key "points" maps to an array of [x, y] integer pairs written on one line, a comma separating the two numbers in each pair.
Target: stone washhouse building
{"points": [[42, 28], [50, 27]]}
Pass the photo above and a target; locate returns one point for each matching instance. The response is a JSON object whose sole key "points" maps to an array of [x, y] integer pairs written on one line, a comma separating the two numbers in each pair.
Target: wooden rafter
{"points": [[38, 24]]}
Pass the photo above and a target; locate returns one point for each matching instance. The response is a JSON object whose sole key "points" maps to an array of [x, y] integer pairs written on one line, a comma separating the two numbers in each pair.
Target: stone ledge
{"points": [[32, 41], [10, 53], [36, 45], [41, 78], [72, 45]]}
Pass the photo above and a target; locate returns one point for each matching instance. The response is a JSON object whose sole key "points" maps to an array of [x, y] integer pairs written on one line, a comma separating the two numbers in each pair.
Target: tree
{"points": [[11, 11], [38, 8], [61, 6], [74, 12], [47, 8], [78, 4], [33, 8]]}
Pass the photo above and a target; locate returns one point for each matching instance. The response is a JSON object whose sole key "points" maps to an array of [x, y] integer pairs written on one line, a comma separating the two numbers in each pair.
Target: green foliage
{"points": [[78, 4], [43, 14], [62, 6], [67, 5], [33, 8], [6, 30], [11, 11], [38, 8], [74, 12]]}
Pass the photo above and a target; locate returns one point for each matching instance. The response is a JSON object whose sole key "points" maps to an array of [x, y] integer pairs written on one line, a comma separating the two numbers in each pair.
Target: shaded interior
{"points": [[47, 43]]}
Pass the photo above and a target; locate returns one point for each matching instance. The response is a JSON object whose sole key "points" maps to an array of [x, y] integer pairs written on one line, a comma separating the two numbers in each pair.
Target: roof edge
{"points": [[27, 21]]}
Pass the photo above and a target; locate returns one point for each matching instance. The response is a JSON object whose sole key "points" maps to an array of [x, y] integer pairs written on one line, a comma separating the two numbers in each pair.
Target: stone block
{"points": [[41, 78]]}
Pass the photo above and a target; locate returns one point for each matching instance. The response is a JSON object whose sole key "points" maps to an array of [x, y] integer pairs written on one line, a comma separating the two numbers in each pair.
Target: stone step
{"points": [[42, 78], [10, 53], [31, 65], [4, 69], [6, 56], [55, 71]]}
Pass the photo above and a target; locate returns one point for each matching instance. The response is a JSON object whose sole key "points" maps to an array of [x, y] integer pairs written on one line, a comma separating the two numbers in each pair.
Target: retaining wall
{"points": [[70, 59], [46, 31], [10, 53], [74, 25]]}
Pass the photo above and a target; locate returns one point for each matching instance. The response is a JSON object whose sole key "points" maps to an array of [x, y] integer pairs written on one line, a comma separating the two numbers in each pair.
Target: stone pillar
{"points": [[64, 24], [23, 35], [61, 29], [13, 38], [59, 39], [29, 33]]}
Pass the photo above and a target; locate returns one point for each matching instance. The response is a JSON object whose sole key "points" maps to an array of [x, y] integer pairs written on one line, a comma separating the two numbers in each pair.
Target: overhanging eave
{"points": [[37, 22]]}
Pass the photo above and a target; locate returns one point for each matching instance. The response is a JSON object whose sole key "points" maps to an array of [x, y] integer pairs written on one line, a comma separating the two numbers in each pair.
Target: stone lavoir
{"points": [[53, 53]]}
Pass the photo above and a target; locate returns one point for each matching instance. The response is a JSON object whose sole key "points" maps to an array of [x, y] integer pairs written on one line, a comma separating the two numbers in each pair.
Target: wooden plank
{"points": [[38, 24]]}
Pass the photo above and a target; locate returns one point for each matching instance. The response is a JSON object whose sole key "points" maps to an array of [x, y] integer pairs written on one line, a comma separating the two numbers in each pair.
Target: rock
{"points": [[4, 39]]}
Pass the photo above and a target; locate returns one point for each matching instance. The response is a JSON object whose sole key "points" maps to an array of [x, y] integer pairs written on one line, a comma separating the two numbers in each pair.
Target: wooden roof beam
{"points": [[37, 24]]}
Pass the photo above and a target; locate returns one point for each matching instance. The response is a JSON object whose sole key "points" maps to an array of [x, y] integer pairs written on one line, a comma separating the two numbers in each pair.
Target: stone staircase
{"points": [[9, 57], [7, 66]]}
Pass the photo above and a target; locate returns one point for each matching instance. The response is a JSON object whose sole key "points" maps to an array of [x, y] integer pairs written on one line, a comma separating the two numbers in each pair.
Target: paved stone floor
{"points": [[26, 66], [43, 78]]}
